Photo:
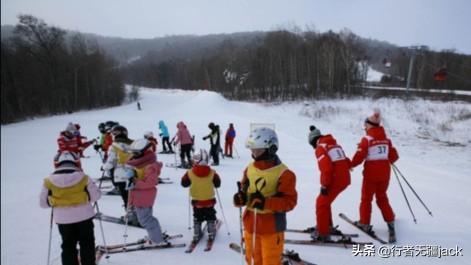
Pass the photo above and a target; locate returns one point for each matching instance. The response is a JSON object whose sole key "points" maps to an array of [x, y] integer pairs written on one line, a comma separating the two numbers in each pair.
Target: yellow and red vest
{"points": [[67, 196], [202, 188], [265, 181]]}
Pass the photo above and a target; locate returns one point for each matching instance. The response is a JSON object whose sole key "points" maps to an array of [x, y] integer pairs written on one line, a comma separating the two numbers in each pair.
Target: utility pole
{"points": [[414, 50]]}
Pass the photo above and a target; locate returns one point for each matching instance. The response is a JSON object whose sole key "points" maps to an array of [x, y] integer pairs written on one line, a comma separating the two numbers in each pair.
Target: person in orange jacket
{"points": [[334, 167], [378, 153], [268, 192]]}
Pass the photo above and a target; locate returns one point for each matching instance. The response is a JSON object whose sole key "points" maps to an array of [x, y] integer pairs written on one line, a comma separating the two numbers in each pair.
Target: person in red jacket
{"points": [[68, 140], [378, 153], [334, 167]]}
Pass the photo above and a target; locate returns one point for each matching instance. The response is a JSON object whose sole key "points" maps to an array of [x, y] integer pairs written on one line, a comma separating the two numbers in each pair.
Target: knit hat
{"points": [[71, 128], [314, 134], [375, 118]]}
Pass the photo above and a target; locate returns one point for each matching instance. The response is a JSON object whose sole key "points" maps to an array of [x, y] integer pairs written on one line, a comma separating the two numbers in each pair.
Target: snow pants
{"points": [[185, 151], [81, 233], [214, 153], [324, 210], [166, 144], [268, 248], [150, 223], [228, 147], [377, 188]]}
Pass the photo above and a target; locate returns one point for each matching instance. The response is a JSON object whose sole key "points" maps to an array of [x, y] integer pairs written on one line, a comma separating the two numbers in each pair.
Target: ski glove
{"points": [[240, 199], [97, 147], [257, 200], [324, 191]]}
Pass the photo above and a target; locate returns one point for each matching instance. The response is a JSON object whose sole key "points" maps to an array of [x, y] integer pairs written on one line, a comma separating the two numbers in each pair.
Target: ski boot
{"points": [[321, 238], [392, 232], [365, 227]]}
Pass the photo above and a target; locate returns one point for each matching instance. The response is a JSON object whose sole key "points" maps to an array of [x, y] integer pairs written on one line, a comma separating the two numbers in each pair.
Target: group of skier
{"points": [[267, 189]]}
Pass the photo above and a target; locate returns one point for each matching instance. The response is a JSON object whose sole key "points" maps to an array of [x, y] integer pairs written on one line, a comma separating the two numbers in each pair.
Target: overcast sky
{"points": [[440, 24]]}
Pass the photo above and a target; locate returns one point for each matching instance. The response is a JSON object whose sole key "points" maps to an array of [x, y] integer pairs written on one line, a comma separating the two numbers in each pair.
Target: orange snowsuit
{"points": [[378, 153], [270, 223], [334, 167]]}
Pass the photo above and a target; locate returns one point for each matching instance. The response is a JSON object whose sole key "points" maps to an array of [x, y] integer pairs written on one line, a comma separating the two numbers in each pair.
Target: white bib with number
{"points": [[336, 154], [378, 152]]}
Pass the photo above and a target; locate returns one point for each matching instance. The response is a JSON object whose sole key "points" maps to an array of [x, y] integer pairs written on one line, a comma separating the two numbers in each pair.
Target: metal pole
{"points": [[411, 64], [405, 197], [222, 211], [410, 186], [100, 221], [50, 238]]}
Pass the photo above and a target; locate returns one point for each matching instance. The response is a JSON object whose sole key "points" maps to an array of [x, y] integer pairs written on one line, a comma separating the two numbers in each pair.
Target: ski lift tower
{"points": [[413, 50]]}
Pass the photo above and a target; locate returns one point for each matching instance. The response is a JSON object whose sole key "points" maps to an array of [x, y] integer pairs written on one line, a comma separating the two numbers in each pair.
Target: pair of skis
{"points": [[371, 233], [116, 220], [209, 243], [289, 256], [141, 244]]}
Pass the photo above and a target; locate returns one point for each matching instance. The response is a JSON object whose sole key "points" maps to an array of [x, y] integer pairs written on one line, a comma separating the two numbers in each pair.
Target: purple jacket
{"points": [[183, 135], [74, 214], [144, 192]]}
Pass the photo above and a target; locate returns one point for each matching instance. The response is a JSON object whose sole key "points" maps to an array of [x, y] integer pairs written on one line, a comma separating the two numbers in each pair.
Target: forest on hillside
{"points": [[85, 71]]}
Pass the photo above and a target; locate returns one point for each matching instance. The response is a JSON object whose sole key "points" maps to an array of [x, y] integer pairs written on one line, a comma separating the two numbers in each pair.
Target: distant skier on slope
{"points": [[378, 153], [214, 141], [334, 167], [230, 135], [167, 147], [70, 193], [202, 181], [142, 187], [268, 192]]}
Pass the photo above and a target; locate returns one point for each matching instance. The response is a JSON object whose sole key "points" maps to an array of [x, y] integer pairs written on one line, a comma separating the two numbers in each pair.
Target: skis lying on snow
{"points": [[310, 230], [194, 243], [141, 241], [289, 256], [210, 242], [133, 246], [116, 220], [342, 242], [371, 233]]}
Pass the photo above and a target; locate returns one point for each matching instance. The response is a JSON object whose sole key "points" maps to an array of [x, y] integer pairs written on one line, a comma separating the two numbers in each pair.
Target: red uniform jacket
{"points": [[378, 153], [333, 164]]}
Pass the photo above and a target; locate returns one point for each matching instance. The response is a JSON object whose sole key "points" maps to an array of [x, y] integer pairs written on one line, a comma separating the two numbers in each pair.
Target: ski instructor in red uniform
{"points": [[378, 153], [334, 167]]}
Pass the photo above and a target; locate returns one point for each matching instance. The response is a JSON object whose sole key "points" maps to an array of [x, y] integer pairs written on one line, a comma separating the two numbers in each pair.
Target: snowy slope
{"points": [[437, 163]]}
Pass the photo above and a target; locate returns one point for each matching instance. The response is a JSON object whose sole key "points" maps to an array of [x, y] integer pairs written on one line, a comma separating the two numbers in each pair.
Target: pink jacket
{"points": [[144, 192], [183, 135], [66, 177]]}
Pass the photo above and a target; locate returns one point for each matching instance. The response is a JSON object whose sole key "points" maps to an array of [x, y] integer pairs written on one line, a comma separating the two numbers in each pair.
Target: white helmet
{"points": [[148, 134], [139, 146], [66, 157], [201, 158], [262, 138]]}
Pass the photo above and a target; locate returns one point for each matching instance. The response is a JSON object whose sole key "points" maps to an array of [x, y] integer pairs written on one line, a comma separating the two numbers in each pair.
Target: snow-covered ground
{"points": [[432, 138]]}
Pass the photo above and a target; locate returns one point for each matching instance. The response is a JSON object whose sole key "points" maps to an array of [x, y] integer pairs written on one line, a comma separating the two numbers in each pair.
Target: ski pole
{"points": [[50, 238], [100, 221], [235, 149], [189, 211], [254, 234], [405, 197], [126, 220], [222, 211], [239, 188], [410, 186]]}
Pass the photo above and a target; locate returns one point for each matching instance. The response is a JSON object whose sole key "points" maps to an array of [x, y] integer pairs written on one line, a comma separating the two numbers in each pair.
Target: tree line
{"points": [[44, 73]]}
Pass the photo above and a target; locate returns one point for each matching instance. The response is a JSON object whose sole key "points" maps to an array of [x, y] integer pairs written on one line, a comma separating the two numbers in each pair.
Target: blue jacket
{"points": [[163, 129]]}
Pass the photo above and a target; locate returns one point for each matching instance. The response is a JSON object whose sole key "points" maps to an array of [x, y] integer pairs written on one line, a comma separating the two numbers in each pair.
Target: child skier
{"points": [[71, 193], [142, 187], [115, 165], [186, 143], [167, 147], [105, 140], [268, 192], [230, 135], [149, 136], [202, 180], [378, 153], [334, 167]]}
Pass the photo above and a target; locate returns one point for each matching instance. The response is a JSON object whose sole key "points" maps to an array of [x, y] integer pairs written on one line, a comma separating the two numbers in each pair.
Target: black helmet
{"points": [[102, 127], [109, 125], [211, 125], [119, 131]]}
